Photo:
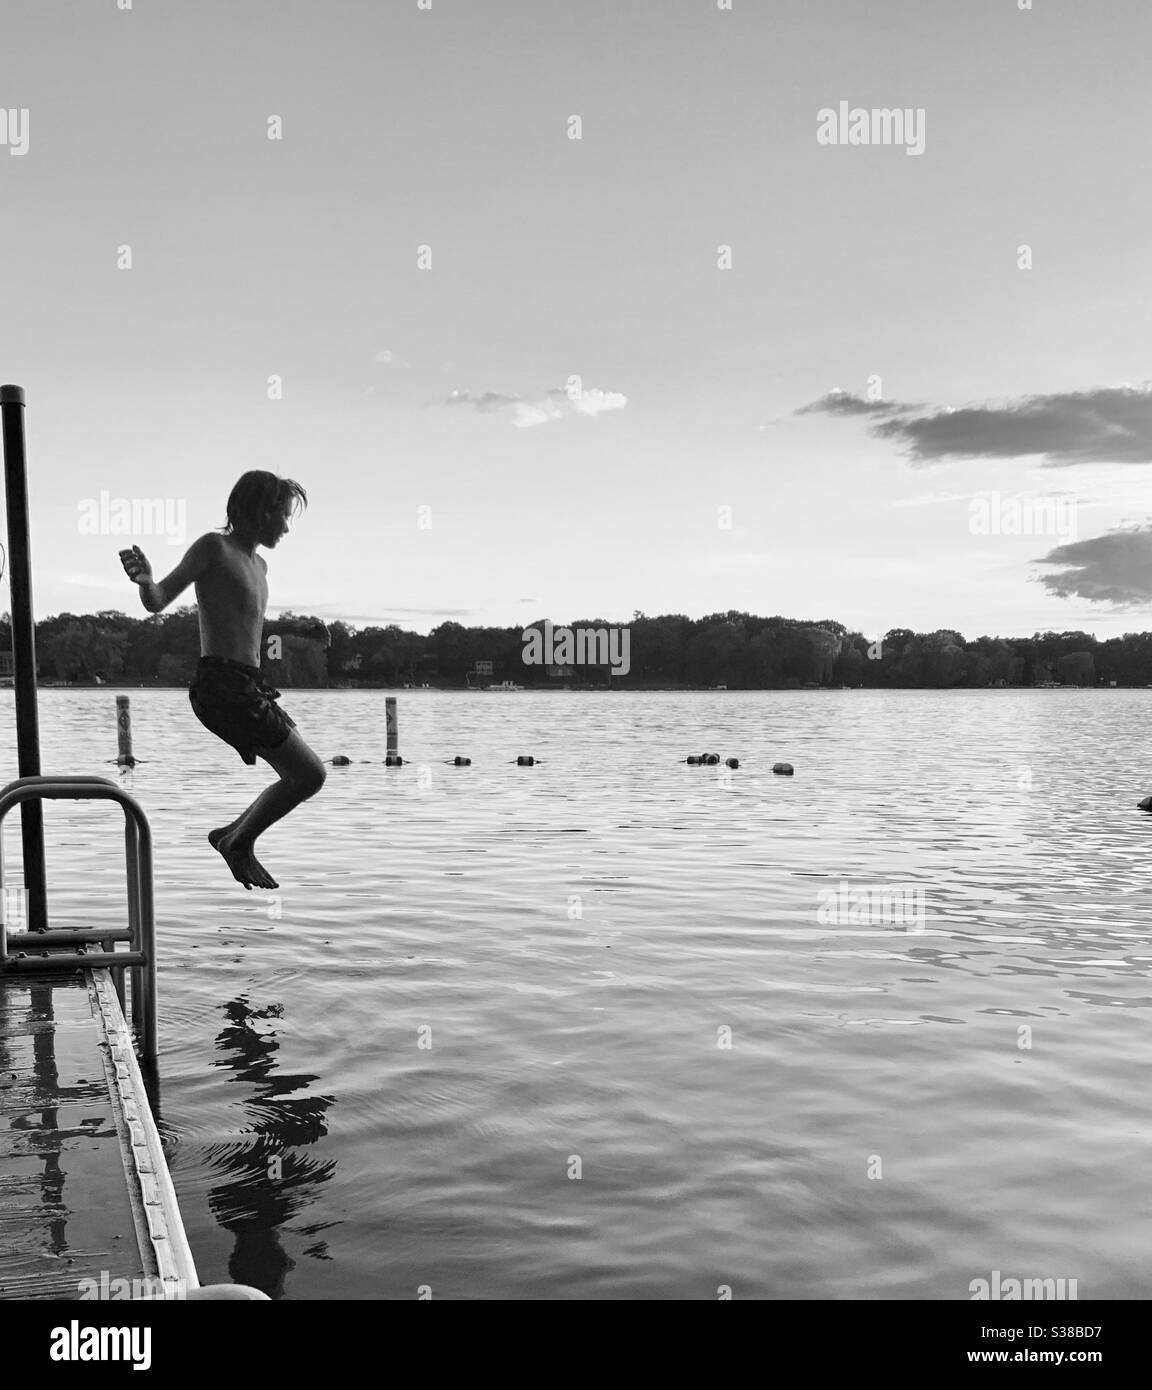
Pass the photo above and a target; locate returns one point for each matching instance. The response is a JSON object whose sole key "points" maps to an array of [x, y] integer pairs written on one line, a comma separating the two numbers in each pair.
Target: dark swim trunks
{"points": [[237, 704]]}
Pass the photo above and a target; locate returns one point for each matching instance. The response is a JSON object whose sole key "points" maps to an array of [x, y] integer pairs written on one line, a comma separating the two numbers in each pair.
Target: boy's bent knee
{"points": [[298, 766], [312, 778]]}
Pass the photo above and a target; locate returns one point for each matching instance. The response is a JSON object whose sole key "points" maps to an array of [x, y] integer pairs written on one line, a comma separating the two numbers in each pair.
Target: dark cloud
{"points": [[1105, 425], [1115, 568], [1108, 425], [845, 403]]}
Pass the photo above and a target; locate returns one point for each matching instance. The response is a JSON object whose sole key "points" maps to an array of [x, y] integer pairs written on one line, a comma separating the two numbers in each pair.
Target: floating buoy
{"points": [[731, 762], [340, 760], [1145, 805], [782, 769], [711, 759], [461, 762], [525, 760], [693, 762], [393, 760]]}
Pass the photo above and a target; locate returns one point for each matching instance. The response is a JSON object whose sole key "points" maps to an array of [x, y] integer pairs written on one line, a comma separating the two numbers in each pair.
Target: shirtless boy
{"points": [[229, 695]]}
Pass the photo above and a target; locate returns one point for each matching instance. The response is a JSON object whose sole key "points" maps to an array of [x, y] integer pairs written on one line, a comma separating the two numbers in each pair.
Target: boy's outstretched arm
{"points": [[157, 596]]}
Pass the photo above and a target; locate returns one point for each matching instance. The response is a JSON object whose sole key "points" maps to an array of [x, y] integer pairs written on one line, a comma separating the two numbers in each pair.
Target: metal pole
{"points": [[24, 648]]}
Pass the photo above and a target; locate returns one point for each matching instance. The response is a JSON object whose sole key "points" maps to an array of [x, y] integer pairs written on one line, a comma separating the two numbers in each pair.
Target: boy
{"points": [[228, 695]]}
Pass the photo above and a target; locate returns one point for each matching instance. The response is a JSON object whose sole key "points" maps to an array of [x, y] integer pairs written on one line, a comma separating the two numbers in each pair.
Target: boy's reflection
{"points": [[269, 1180]]}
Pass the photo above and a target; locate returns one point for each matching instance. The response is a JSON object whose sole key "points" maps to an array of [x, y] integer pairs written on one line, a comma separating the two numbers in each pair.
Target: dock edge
{"points": [[164, 1246]]}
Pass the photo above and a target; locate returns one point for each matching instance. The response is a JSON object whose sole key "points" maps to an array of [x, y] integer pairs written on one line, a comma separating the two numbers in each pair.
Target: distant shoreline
{"points": [[671, 652]]}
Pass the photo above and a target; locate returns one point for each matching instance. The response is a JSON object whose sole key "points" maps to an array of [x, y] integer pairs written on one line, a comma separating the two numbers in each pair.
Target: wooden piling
{"points": [[124, 756], [390, 723]]}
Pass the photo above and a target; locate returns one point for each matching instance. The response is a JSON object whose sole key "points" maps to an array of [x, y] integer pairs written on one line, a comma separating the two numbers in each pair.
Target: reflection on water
{"points": [[64, 1210], [264, 1181], [574, 940], [47, 1095]]}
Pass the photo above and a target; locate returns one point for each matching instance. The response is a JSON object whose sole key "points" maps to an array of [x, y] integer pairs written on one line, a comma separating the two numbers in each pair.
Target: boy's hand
{"points": [[136, 565]]}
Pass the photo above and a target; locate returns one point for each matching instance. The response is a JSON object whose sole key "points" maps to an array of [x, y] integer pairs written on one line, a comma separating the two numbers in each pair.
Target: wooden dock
{"points": [[86, 1199]]}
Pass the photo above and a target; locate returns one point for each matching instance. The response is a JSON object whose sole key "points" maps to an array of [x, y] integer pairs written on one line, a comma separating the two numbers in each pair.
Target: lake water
{"points": [[899, 1107]]}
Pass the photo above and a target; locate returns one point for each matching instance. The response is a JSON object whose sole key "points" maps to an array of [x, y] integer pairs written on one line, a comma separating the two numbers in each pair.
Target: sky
{"points": [[696, 359]]}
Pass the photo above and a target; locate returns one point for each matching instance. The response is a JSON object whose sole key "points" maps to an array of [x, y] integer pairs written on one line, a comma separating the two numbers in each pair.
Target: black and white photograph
{"points": [[387, 384]]}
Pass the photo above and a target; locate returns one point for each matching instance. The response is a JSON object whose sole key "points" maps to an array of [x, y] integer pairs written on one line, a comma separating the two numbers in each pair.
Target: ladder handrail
{"points": [[131, 851], [138, 866]]}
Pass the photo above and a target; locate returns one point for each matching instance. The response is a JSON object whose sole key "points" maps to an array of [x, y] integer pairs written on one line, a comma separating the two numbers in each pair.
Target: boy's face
{"points": [[275, 527]]}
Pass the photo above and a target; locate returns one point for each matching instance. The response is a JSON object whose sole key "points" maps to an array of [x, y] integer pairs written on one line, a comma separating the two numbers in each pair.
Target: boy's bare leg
{"points": [[302, 774]]}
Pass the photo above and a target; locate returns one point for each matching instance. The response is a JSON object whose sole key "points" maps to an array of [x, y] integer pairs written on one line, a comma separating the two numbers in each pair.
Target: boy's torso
{"points": [[232, 595]]}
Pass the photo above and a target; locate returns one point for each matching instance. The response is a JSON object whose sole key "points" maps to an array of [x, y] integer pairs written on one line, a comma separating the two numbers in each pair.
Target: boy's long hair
{"points": [[257, 496]]}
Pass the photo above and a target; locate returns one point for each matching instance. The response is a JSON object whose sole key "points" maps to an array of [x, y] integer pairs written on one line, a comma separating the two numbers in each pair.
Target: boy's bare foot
{"points": [[246, 868]]}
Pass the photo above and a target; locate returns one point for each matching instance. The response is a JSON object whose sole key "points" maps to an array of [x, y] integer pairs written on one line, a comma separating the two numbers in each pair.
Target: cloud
{"points": [[490, 400], [1115, 568], [1110, 424], [595, 402], [838, 402], [387, 358], [525, 414], [1106, 425], [553, 405]]}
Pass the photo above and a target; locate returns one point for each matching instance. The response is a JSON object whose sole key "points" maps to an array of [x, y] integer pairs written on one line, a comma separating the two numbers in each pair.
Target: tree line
{"points": [[739, 650]]}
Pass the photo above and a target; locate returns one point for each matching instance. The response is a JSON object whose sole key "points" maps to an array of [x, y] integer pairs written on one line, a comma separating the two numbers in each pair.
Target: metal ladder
{"points": [[16, 947]]}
